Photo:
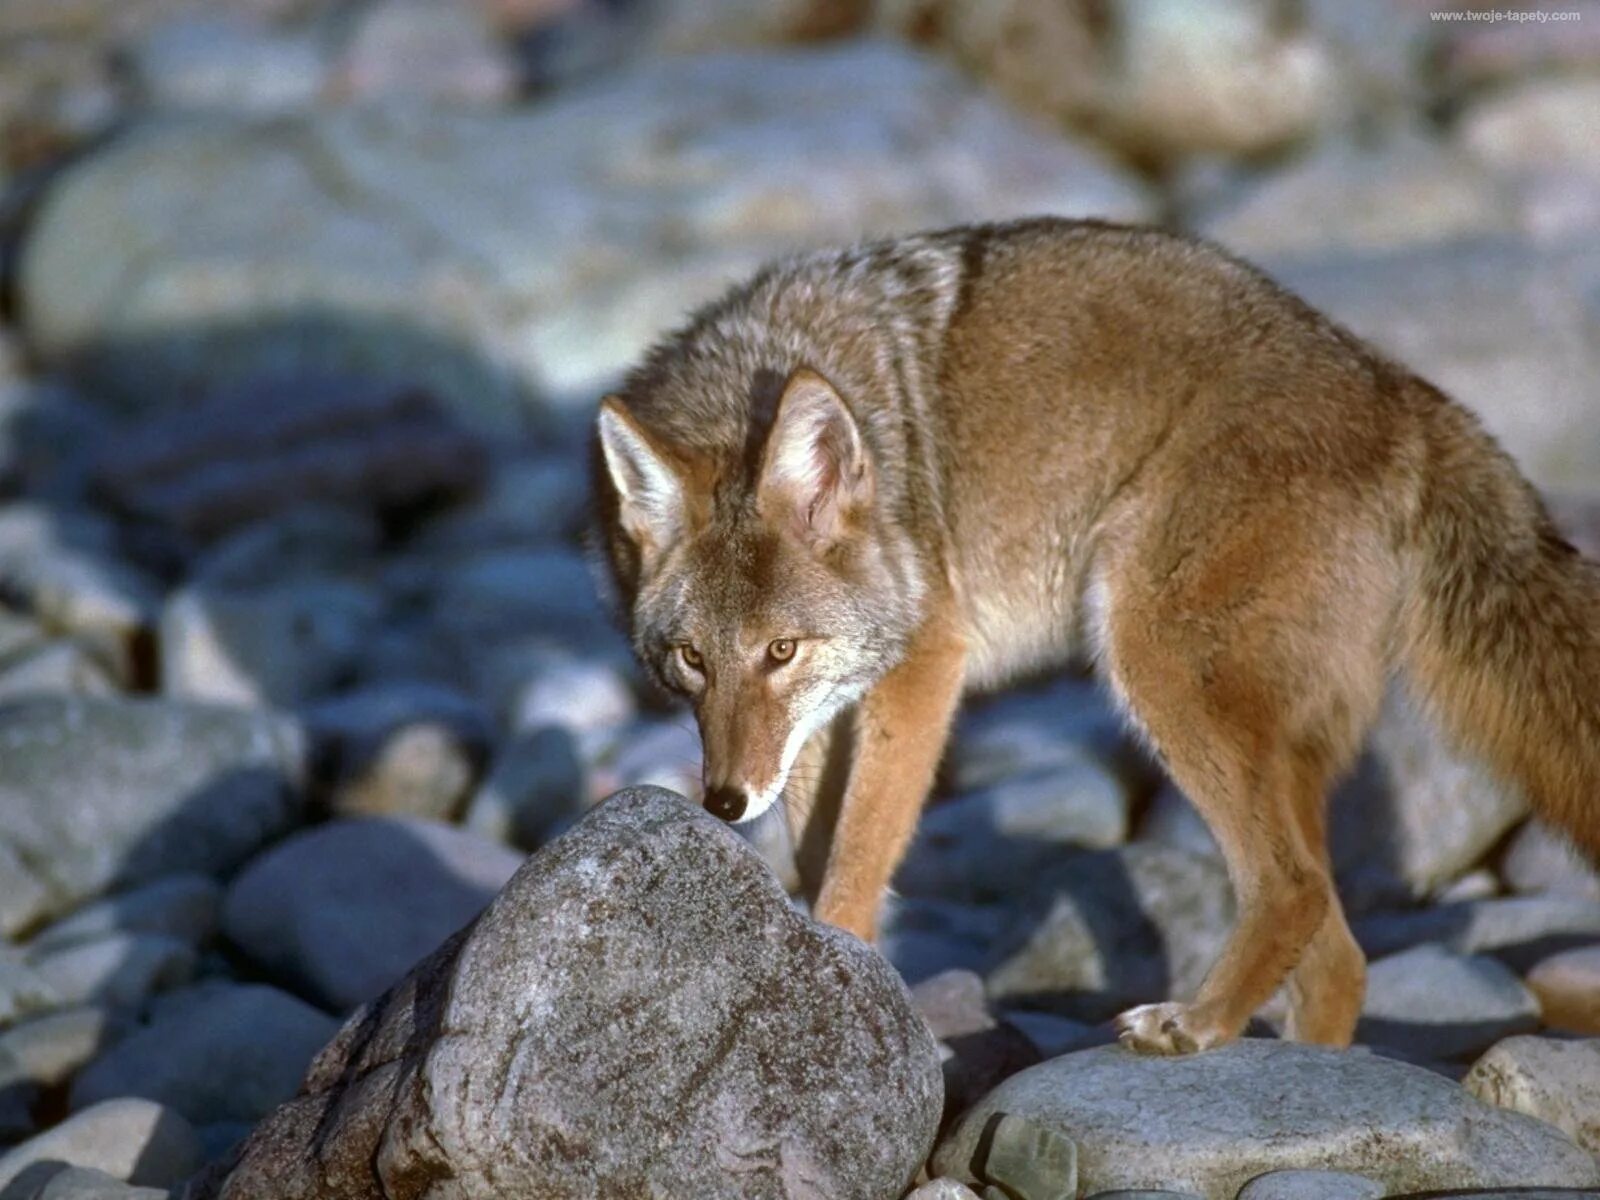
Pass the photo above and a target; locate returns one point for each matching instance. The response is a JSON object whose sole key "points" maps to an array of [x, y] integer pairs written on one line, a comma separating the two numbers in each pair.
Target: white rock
{"points": [[1556, 1081], [63, 666], [1540, 133], [1540, 860], [49, 1050], [1211, 1122], [62, 567], [134, 1140], [117, 969], [414, 48], [403, 748], [1351, 198], [943, 1189], [179, 906], [229, 63]]}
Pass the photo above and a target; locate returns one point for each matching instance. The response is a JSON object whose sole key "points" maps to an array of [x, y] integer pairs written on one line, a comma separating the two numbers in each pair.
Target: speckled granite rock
{"points": [[638, 1010]]}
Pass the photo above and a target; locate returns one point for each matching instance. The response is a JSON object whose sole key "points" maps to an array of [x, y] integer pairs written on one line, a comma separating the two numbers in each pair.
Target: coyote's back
{"points": [[871, 479]]}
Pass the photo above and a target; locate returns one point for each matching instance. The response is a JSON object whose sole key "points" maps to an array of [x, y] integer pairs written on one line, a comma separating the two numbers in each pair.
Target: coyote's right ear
{"points": [[649, 489]]}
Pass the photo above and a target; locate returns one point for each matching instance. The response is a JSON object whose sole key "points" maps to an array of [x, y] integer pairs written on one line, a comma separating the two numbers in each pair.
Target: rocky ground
{"points": [[305, 307]]}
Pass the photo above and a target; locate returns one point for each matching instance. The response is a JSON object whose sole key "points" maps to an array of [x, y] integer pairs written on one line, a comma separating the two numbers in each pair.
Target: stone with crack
{"points": [[640, 1007]]}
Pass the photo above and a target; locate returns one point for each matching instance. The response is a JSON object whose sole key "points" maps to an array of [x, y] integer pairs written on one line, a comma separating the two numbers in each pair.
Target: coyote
{"points": [[871, 479]]}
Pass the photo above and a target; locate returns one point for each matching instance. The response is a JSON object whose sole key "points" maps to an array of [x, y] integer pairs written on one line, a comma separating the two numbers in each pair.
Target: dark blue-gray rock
{"points": [[495, 593], [979, 1050], [1209, 1123], [525, 501], [533, 790], [1052, 1035], [279, 645], [131, 1139], [277, 439], [640, 1012], [99, 793], [399, 749], [342, 911], [1433, 1003], [977, 844], [1104, 930], [1518, 930], [310, 539], [922, 936], [232, 1053], [1039, 729]]}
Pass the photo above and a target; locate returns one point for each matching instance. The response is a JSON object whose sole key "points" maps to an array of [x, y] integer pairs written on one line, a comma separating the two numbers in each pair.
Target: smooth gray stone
{"points": [[1213, 1121]]}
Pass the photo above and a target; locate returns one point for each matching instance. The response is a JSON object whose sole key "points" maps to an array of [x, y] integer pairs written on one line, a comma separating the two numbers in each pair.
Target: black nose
{"points": [[725, 802]]}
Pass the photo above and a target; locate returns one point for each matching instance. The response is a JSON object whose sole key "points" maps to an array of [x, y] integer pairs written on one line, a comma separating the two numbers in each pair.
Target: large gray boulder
{"points": [[1208, 1123], [96, 792], [640, 1012], [492, 255]]}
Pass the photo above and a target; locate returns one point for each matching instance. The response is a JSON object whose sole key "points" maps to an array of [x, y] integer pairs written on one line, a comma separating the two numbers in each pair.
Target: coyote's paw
{"points": [[1168, 1029]]}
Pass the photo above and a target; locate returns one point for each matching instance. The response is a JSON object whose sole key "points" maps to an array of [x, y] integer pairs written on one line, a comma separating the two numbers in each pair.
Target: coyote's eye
{"points": [[782, 650], [691, 659]]}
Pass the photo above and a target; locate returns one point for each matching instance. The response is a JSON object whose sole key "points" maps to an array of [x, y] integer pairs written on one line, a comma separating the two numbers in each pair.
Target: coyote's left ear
{"points": [[816, 472], [650, 492]]}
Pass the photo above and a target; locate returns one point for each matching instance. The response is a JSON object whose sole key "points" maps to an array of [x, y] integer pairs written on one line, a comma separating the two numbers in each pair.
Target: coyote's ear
{"points": [[815, 472], [649, 489]]}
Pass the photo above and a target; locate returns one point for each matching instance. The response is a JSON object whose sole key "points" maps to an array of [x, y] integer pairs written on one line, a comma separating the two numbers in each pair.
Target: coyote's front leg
{"points": [[901, 728]]}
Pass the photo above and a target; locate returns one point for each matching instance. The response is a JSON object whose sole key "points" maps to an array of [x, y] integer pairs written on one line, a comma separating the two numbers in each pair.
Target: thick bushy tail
{"points": [[1502, 632]]}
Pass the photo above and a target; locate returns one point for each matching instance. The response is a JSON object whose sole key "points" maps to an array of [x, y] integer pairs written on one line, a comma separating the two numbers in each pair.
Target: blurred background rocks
{"points": [[304, 306]]}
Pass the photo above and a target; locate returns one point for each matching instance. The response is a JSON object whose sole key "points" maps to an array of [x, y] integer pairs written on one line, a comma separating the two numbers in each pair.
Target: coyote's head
{"points": [[760, 581]]}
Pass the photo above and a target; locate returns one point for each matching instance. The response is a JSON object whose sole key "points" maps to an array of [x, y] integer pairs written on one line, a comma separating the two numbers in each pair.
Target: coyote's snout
{"points": [[872, 479]]}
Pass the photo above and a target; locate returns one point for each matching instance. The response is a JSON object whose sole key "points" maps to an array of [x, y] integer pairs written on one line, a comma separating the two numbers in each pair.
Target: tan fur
{"points": [[1006, 446]]}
